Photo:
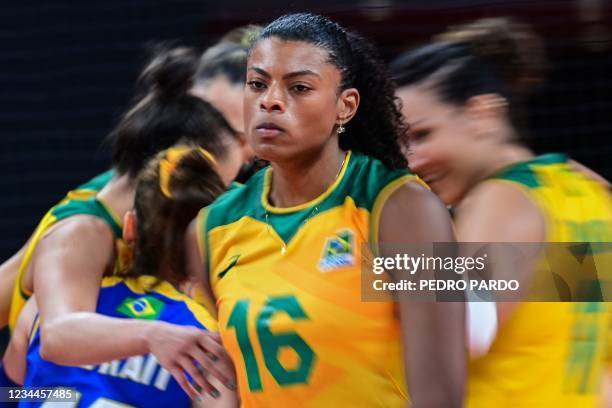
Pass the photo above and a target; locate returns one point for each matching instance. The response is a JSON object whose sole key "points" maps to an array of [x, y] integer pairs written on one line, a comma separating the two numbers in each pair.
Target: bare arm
{"points": [[15, 357], [69, 266], [433, 332], [8, 274], [500, 212], [196, 268]]}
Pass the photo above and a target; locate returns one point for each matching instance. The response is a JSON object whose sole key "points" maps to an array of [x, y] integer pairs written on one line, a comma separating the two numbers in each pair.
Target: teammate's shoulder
{"points": [[495, 193], [89, 207], [499, 211], [81, 228], [370, 178], [525, 173]]}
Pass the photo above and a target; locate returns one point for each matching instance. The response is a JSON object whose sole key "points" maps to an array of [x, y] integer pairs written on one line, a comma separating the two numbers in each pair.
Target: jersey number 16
{"points": [[272, 343]]}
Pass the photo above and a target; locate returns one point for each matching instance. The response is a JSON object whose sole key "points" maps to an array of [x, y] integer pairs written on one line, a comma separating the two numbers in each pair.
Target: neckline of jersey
{"points": [[309, 204], [546, 158], [113, 215]]}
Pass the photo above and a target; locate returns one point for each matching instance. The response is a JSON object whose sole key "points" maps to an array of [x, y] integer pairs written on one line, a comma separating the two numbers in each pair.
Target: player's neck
{"points": [[505, 156], [298, 183], [118, 194]]}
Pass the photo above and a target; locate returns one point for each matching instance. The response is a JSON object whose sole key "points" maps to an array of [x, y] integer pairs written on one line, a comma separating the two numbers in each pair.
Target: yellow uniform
{"points": [[81, 200], [287, 283], [550, 354]]}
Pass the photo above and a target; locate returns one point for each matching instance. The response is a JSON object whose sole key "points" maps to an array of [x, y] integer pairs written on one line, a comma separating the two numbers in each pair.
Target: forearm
{"points": [[14, 360], [433, 332], [89, 338], [435, 353], [8, 274]]}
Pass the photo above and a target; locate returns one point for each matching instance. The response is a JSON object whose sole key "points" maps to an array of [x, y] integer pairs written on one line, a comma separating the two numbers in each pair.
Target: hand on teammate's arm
{"points": [[67, 289], [433, 332], [182, 349]]}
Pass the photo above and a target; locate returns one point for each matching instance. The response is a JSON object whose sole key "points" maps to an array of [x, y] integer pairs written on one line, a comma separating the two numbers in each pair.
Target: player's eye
{"points": [[300, 88], [419, 134], [256, 84]]}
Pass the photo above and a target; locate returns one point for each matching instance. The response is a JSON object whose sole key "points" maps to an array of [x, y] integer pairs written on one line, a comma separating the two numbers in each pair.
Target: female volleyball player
{"points": [[169, 192], [75, 245], [283, 254], [220, 80], [462, 99], [175, 69], [221, 73]]}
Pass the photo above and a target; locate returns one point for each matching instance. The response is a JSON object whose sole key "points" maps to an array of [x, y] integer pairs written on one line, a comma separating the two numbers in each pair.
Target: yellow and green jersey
{"points": [[287, 285], [81, 200], [550, 354]]}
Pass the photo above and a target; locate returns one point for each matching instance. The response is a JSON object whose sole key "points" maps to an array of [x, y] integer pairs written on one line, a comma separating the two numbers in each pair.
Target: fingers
{"points": [[186, 364], [214, 358], [214, 366], [181, 379], [216, 336], [211, 343]]}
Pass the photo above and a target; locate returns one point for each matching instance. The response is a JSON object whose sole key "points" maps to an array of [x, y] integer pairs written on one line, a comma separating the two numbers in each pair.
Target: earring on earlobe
{"points": [[340, 129]]}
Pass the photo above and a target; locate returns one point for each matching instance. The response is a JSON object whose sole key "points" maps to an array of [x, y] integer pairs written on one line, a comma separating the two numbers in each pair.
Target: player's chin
{"points": [[449, 194], [272, 151]]}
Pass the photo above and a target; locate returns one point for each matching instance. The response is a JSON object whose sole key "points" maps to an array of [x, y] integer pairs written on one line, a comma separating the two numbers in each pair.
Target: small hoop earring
{"points": [[340, 129]]}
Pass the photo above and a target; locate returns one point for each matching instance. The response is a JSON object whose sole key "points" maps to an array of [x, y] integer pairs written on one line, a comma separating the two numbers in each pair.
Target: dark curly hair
{"points": [[377, 129]]}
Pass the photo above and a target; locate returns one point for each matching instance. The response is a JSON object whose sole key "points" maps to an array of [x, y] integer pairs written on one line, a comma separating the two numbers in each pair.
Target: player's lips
{"points": [[268, 129]]}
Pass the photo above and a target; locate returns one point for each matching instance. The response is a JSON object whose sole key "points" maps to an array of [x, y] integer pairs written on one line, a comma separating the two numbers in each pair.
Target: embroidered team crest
{"points": [[339, 251], [145, 307]]}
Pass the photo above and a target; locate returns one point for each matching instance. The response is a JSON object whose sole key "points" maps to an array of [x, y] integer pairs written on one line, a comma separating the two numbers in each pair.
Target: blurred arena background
{"points": [[68, 69]]}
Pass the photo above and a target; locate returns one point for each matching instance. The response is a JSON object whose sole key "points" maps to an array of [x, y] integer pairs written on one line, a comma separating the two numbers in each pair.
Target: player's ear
{"points": [[347, 105], [129, 227]]}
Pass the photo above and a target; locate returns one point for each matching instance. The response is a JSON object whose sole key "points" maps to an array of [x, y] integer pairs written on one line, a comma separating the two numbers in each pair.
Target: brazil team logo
{"points": [[145, 307], [339, 251]]}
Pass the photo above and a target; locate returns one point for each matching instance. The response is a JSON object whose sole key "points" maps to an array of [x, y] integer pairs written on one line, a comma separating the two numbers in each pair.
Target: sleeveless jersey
{"points": [[81, 200], [550, 354], [288, 288], [137, 381]]}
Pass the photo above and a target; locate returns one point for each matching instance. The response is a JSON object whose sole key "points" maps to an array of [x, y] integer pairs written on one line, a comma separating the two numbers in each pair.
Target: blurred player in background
{"points": [[220, 79], [462, 99], [75, 245], [283, 253], [221, 74], [169, 192]]}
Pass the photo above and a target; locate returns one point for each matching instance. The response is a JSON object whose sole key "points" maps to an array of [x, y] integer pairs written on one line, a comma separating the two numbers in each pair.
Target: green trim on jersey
{"points": [[89, 206], [97, 183], [523, 172], [247, 201], [75, 204]]}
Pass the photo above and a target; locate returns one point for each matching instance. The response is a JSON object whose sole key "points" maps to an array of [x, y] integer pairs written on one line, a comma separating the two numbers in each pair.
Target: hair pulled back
{"points": [[163, 216], [489, 56], [167, 114], [377, 128]]}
